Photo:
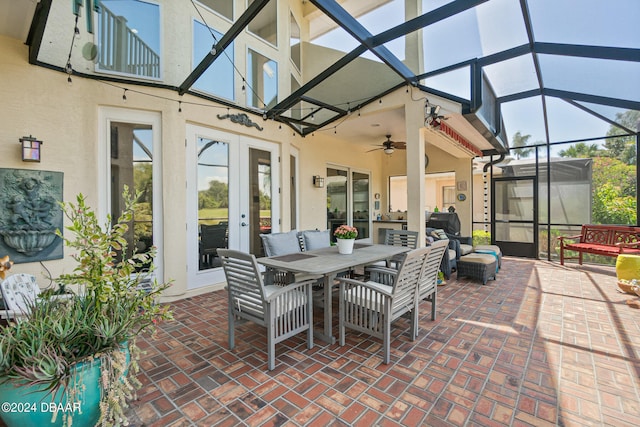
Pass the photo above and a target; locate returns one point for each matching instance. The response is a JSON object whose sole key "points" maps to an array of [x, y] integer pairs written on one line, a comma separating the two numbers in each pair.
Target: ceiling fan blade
{"points": [[375, 149], [400, 145]]}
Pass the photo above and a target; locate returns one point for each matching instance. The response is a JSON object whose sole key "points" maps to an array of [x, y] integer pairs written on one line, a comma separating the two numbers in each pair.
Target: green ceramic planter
{"points": [[24, 405]]}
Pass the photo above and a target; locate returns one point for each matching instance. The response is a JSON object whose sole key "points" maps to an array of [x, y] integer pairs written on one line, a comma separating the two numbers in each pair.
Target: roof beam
{"points": [[351, 25], [526, 15], [600, 116], [419, 22], [237, 27], [598, 52], [36, 31], [288, 102], [594, 99]]}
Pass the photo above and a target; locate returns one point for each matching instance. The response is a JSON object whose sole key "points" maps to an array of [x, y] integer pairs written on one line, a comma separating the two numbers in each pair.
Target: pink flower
{"points": [[346, 232]]}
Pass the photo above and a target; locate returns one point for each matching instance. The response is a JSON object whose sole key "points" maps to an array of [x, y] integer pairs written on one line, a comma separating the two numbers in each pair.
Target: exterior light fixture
{"points": [[318, 181], [30, 149]]}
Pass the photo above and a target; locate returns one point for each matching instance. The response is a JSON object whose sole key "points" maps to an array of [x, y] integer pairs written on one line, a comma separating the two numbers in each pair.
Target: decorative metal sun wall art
{"points": [[30, 215]]}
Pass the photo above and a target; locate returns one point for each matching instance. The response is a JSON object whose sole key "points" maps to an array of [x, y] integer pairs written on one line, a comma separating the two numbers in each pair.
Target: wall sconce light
{"points": [[318, 181], [30, 149]]}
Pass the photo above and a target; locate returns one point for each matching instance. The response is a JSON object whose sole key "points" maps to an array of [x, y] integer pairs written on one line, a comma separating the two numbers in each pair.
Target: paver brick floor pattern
{"points": [[541, 345]]}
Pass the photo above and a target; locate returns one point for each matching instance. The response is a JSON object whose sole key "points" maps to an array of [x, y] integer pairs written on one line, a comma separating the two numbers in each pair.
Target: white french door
{"points": [[232, 197]]}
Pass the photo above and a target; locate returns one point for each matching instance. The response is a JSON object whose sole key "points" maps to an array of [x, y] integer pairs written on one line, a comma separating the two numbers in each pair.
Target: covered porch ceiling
{"points": [[511, 66]]}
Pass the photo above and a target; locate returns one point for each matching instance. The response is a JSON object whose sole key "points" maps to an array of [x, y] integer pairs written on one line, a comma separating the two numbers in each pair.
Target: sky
{"points": [[498, 25], [489, 28]]}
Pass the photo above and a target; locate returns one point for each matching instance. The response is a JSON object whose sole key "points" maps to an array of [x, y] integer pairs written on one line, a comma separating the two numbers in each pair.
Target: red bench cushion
{"points": [[596, 248]]}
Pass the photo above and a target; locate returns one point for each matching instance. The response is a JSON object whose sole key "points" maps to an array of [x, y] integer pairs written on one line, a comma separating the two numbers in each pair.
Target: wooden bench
{"points": [[607, 240]]}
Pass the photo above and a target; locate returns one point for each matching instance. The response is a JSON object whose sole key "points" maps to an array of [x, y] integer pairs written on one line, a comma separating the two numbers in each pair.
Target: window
{"points": [[131, 148], [348, 200], [262, 76], [448, 197], [129, 38], [218, 78], [223, 7], [265, 24], [294, 43], [213, 201]]}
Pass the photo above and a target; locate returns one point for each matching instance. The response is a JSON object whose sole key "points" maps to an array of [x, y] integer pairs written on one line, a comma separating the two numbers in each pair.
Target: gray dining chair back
{"points": [[405, 238], [314, 239], [401, 238], [276, 244], [371, 307], [284, 311], [428, 283], [212, 238]]}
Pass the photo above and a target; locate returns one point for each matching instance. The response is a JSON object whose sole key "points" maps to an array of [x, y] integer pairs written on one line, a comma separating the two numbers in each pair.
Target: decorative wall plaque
{"points": [[30, 215], [240, 118]]}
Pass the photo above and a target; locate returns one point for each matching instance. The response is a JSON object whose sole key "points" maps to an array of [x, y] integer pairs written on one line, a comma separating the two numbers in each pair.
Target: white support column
{"points": [[414, 120]]}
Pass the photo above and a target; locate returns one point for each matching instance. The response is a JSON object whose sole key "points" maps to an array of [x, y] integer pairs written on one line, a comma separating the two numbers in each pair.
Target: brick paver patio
{"points": [[541, 345]]}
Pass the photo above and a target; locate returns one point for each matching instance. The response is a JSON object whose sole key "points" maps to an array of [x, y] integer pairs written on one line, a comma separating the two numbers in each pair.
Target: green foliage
{"points": [[614, 191], [109, 310], [518, 141], [610, 207], [216, 196], [623, 148], [481, 237], [621, 175], [581, 151]]}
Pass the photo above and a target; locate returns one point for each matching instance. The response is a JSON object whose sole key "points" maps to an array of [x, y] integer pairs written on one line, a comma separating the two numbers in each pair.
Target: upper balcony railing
{"points": [[122, 50]]}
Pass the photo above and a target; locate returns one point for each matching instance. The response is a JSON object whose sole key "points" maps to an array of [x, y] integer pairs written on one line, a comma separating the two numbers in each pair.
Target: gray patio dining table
{"points": [[327, 262]]}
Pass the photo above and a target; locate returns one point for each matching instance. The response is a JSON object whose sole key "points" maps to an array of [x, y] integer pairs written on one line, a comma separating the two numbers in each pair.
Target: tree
{"points": [[520, 140], [581, 150], [216, 196], [623, 147]]}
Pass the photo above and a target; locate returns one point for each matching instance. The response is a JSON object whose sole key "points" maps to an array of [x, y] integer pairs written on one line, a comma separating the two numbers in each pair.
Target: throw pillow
{"points": [[439, 234]]}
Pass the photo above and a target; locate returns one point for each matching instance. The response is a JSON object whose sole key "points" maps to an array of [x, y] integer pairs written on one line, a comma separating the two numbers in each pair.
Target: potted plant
{"points": [[345, 237], [74, 360]]}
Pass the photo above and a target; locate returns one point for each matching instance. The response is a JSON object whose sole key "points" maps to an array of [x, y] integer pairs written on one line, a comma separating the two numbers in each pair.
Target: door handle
{"points": [[244, 224]]}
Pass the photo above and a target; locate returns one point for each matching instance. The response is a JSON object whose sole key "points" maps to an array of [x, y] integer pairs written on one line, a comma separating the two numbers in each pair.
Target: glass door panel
{"points": [[337, 199], [213, 201], [360, 184], [515, 228], [260, 200], [132, 166], [230, 199]]}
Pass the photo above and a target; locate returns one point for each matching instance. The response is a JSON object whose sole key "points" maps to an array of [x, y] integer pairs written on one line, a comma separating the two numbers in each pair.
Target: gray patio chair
{"points": [[428, 284], [405, 238], [284, 310], [372, 306], [212, 238], [314, 239], [277, 244], [19, 292], [396, 238]]}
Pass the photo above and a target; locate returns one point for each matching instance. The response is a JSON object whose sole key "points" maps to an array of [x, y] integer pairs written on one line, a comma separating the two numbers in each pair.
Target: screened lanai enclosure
{"points": [[552, 85]]}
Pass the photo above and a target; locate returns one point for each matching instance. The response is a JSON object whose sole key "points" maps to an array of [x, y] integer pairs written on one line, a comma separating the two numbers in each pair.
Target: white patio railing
{"points": [[122, 50]]}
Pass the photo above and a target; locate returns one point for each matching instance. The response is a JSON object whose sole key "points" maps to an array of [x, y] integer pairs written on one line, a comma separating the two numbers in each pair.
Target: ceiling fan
{"points": [[432, 115], [389, 146]]}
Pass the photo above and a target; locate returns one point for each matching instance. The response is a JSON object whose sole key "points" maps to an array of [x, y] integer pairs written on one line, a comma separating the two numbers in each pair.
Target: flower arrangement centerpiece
{"points": [[346, 232], [345, 235]]}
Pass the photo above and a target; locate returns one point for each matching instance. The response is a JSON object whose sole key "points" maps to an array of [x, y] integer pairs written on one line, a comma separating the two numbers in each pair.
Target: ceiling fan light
{"points": [[388, 151]]}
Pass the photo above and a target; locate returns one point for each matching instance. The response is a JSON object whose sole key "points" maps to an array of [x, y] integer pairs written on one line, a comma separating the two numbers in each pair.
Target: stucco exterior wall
{"points": [[70, 119]]}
